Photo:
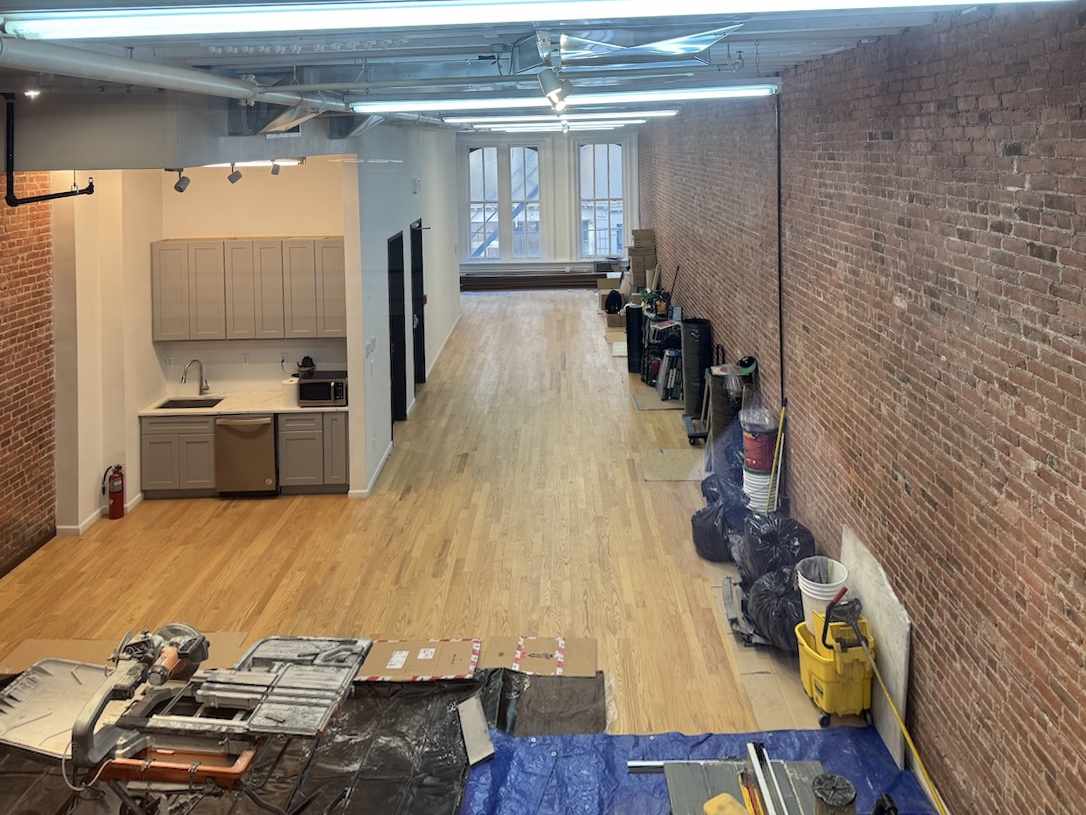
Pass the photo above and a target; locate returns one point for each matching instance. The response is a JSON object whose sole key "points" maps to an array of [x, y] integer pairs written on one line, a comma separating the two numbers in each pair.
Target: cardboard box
{"points": [[224, 650], [642, 252], [644, 237], [609, 282], [542, 656], [617, 320], [420, 660]]}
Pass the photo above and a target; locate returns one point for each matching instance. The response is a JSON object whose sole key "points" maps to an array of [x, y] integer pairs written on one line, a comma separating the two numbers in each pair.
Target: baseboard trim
{"points": [[411, 407], [71, 531], [444, 342], [134, 502]]}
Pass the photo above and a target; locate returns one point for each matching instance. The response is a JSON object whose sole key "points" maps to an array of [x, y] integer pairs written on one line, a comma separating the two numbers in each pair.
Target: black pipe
{"points": [[9, 148], [780, 254]]}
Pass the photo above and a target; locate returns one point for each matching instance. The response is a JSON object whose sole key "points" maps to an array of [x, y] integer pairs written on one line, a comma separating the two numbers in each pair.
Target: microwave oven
{"points": [[323, 389]]}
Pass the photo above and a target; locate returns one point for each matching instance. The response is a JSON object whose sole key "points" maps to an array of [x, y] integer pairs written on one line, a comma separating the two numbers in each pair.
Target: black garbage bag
{"points": [[775, 607], [709, 526], [770, 542], [724, 453]]}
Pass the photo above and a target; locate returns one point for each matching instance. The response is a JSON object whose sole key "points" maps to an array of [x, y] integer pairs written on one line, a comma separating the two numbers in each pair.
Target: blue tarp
{"points": [[586, 775]]}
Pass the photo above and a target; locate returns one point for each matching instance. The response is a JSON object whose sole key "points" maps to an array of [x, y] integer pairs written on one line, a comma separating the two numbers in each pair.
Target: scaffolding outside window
{"points": [[524, 200], [484, 221], [602, 215]]}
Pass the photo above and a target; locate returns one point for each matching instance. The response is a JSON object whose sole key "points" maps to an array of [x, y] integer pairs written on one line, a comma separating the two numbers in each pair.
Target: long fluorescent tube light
{"points": [[282, 162], [612, 98], [560, 125], [172, 21], [572, 117]]}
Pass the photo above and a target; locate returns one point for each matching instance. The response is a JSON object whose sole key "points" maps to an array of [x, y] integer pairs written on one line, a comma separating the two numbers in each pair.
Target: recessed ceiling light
{"points": [[609, 98], [67, 24]]}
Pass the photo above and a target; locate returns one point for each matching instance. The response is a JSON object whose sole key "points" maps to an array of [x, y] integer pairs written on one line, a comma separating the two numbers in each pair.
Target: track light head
{"points": [[183, 180], [275, 168], [550, 85], [235, 174]]}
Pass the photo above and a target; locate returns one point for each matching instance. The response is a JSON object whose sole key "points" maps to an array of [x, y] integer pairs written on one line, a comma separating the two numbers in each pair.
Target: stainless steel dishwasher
{"points": [[245, 454]]}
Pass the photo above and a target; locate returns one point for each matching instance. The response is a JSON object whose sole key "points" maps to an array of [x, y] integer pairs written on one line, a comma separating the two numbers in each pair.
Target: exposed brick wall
{"points": [[27, 491], [935, 262]]}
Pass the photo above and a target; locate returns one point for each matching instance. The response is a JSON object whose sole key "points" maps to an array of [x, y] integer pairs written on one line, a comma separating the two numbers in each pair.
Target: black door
{"points": [[397, 327], [418, 302]]}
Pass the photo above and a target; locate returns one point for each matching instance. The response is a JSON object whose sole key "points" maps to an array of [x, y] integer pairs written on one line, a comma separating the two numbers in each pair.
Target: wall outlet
{"points": [[282, 358]]}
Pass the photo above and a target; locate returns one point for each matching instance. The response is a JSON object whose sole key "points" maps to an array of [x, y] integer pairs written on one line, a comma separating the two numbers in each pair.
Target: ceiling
{"points": [[488, 59]]}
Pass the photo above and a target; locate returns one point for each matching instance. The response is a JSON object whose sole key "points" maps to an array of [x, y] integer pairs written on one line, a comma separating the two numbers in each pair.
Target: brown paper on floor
{"points": [[224, 650], [681, 464], [618, 349], [419, 660], [542, 656], [646, 398]]}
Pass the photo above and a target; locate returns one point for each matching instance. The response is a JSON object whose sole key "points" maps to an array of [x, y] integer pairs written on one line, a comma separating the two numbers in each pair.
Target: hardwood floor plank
{"points": [[512, 503]]}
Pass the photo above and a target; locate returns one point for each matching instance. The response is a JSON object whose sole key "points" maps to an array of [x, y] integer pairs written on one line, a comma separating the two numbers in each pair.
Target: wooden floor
{"points": [[512, 504]]}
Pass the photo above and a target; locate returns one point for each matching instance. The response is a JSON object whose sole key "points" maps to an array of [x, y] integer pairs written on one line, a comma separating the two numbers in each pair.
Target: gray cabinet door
{"points": [[335, 448], [158, 462], [331, 288], [170, 290], [268, 273], [240, 290], [300, 288], [207, 291], [196, 462], [301, 458]]}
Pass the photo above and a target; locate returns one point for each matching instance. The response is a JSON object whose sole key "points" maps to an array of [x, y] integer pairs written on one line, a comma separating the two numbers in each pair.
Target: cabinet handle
{"points": [[242, 422]]}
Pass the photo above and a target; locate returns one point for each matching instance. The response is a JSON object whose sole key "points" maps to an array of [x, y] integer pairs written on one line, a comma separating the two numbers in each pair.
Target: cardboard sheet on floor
{"points": [[680, 464], [645, 397], [225, 649], [619, 349], [549, 775], [541, 656], [420, 660]]}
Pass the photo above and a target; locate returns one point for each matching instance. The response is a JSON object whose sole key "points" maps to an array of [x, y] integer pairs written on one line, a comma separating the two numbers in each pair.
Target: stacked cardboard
{"points": [[642, 256]]}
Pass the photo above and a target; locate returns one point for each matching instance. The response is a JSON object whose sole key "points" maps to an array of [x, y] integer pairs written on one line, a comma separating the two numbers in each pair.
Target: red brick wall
{"points": [[27, 492], [935, 263]]}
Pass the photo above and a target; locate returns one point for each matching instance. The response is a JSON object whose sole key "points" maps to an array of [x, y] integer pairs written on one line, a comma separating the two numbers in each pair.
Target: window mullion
{"points": [[505, 202]]}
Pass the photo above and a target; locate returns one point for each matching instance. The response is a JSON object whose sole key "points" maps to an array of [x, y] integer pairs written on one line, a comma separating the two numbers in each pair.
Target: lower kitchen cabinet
{"points": [[313, 451], [177, 453]]}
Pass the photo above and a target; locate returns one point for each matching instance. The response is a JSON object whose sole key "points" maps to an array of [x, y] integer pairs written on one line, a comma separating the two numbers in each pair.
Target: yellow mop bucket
{"points": [[836, 673]]}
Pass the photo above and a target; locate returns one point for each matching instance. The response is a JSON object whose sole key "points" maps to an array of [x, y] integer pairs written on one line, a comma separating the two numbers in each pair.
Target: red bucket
{"points": [[758, 447]]}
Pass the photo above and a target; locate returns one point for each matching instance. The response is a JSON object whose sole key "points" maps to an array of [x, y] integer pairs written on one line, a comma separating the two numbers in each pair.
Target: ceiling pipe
{"points": [[42, 57]]}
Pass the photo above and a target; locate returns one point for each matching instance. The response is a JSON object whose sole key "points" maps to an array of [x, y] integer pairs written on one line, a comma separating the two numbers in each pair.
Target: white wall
{"points": [[106, 368], [304, 200]]}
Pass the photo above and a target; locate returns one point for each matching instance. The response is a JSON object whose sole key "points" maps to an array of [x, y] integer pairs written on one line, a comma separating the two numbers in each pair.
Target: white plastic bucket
{"points": [[819, 578]]}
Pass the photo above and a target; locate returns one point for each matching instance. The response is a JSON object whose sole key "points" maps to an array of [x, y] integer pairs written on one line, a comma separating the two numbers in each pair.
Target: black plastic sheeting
{"points": [[770, 542], [775, 607], [391, 748]]}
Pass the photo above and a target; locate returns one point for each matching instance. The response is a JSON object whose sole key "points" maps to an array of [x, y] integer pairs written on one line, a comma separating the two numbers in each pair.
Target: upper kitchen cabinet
{"points": [[300, 288], [207, 291], [331, 289], [170, 290], [248, 289], [254, 289]]}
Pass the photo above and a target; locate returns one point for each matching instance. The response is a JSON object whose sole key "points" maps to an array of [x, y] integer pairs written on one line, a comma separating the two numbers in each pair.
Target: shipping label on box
{"points": [[420, 660]]}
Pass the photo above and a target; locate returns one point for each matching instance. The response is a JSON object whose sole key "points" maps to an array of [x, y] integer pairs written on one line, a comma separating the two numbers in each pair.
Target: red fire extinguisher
{"points": [[113, 481]]}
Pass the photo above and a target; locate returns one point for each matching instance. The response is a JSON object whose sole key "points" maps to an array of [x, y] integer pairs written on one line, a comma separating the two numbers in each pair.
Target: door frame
{"points": [[418, 301], [397, 325]]}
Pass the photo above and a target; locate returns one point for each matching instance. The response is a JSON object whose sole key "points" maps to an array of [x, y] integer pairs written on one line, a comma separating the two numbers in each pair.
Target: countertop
{"points": [[278, 400]]}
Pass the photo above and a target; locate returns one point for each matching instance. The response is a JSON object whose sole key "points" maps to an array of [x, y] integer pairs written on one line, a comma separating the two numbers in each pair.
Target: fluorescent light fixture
{"points": [[559, 125], [610, 98], [32, 93], [550, 128], [571, 117], [64, 24]]}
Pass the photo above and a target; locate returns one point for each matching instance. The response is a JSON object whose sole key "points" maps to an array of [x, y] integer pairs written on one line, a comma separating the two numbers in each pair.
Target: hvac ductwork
{"points": [[41, 57]]}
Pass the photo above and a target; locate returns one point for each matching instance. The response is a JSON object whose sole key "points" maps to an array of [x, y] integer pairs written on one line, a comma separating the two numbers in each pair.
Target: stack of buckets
{"points": [[759, 443]]}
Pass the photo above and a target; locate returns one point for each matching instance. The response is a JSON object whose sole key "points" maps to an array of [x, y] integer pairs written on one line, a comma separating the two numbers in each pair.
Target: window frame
{"points": [[505, 199], [484, 202], [625, 198]]}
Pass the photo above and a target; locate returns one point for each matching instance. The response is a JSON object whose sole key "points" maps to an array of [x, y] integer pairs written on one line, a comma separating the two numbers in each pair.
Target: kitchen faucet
{"points": [[204, 387]]}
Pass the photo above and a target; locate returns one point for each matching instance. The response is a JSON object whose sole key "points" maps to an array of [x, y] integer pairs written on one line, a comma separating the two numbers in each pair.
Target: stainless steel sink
{"points": [[176, 404]]}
